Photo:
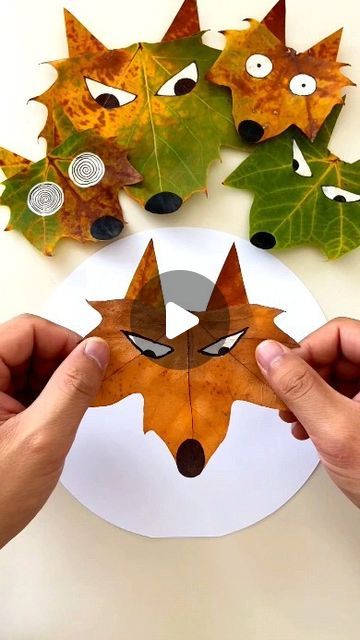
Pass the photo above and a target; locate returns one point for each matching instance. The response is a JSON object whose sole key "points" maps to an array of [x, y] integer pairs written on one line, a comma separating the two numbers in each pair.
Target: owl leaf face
{"points": [[188, 383], [72, 193], [155, 99], [303, 194], [272, 86]]}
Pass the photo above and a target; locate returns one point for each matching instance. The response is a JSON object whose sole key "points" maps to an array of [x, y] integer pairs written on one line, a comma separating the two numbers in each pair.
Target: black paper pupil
{"points": [[149, 353], [223, 351], [184, 86], [295, 165], [340, 198], [108, 101]]}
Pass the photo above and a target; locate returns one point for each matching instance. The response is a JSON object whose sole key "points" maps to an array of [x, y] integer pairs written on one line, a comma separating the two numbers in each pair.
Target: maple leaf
{"points": [[303, 193], [11, 163], [72, 193], [155, 99], [272, 86], [188, 383]]}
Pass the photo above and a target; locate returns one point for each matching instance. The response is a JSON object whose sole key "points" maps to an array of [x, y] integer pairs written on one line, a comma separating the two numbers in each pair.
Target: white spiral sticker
{"points": [[86, 170], [45, 198]]}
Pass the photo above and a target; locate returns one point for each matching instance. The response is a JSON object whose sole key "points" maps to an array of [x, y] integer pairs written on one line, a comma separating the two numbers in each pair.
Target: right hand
{"points": [[320, 384]]}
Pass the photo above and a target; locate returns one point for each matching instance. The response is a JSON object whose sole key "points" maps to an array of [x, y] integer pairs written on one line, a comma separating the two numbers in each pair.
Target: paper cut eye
{"points": [[258, 66], [147, 347], [224, 345], [108, 97], [86, 170], [182, 83], [45, 198], [299, 163], [302, 85], [340, 195]]}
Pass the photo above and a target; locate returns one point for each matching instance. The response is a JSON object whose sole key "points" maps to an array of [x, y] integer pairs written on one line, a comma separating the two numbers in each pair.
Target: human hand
{"points": [[47, 381], [320, 384]]}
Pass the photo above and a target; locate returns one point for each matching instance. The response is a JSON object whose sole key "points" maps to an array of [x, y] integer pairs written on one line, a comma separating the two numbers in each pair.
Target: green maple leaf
{"points": [[72, 193], [304, 195], [155, 99]]}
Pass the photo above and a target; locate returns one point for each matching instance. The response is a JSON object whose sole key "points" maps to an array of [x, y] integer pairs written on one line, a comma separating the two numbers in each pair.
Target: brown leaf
{"points": [[188, 383]]}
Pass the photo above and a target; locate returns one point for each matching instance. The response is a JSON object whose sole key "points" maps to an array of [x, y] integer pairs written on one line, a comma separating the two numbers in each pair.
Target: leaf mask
{"points": [[72, 193], [188, 383], [274, 87], [303, 193], [155, 99]]}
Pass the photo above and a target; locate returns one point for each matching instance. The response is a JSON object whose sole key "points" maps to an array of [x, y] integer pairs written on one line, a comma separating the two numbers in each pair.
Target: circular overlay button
{"points": [[193, 303]]}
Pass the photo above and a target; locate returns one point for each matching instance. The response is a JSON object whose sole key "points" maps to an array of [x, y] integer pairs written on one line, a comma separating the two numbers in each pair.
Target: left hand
{"points": [[48, 378]]}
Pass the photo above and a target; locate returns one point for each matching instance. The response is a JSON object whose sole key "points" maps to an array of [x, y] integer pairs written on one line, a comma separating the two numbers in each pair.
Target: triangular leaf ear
{"points": [[328, 48], [145, 286], [229, 290], [80, 40], [11, 163], [275, 20], [186, 23]]}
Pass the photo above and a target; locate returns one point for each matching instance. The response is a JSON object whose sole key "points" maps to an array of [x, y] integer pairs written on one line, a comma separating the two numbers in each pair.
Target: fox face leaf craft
{"points": [[155, 99], [188, 383], [303, 193], [72, 193], [272, 86]]}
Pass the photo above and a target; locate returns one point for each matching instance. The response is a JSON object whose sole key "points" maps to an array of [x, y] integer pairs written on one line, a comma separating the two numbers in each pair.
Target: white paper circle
{"points": [[258, 65], [130, 479]]}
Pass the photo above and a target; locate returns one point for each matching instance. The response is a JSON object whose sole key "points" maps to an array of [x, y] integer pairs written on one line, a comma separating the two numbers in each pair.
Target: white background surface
{"points": [[72, 576]]}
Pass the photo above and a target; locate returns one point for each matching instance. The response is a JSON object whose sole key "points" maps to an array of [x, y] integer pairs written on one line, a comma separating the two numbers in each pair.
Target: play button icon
{"points": [[178, 320]]}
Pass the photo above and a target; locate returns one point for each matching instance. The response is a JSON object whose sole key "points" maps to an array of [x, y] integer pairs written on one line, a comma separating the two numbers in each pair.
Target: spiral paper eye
{"points": [[258, 66], [302, 85], [86, 170], [45, 198]]}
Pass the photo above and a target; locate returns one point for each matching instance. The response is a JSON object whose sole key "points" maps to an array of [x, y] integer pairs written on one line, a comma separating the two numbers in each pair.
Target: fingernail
{"points": [[267, 352], [97, 350]]}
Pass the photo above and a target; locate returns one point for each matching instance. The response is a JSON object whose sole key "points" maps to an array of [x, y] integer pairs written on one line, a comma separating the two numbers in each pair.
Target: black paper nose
{"points": [[164, 202], [263, 240], [250, 131], [190, 458], [106, 228]]}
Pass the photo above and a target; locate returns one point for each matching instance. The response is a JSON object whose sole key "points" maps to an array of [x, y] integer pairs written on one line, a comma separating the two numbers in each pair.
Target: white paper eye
{"points": [[224, 345], [299, 163], [258, 66], [302, 85], [86, 170], [148, 347], [340, 195], [45, 198], [108, 97], [182, 83]]}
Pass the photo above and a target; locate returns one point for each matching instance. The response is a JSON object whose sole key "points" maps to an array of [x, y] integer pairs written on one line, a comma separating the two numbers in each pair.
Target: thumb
{"points": [[317, 406], [60, 407]]}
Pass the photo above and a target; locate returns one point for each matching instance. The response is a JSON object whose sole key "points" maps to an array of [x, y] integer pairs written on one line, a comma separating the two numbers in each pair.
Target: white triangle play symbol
{"points": [[178, 320]]}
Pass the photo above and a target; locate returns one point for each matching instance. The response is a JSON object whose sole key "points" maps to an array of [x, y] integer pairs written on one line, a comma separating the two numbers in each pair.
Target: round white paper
{"points": [[130, 479]]}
